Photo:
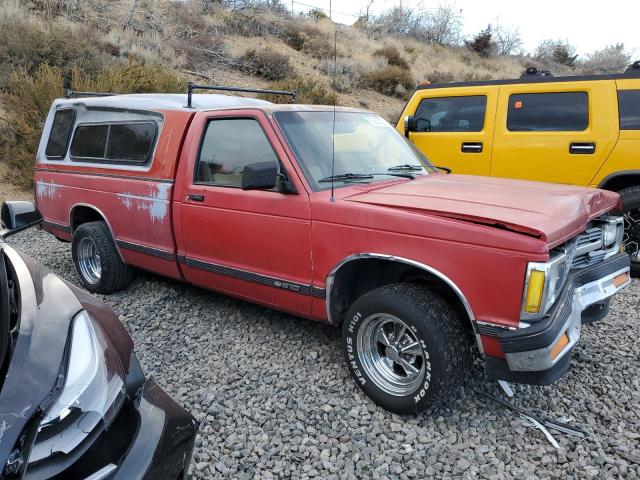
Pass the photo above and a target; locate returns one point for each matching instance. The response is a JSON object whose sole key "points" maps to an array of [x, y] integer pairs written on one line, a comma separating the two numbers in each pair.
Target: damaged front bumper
{"points": [[151, 437], [541, 353], [163, 445]]}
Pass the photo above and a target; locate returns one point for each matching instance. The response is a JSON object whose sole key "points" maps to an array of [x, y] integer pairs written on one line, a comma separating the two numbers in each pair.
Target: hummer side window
{"points": [[228, 146], [629, 109], [59, 134], [451, 114], [548, 112]]}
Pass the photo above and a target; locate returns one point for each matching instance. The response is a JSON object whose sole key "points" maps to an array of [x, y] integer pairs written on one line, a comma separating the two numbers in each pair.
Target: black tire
{"points": [[631, 206], [432, 321], [114, 274]]}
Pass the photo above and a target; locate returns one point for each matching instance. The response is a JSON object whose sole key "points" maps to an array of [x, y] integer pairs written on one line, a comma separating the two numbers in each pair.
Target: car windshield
{"points": [[367, 148]]}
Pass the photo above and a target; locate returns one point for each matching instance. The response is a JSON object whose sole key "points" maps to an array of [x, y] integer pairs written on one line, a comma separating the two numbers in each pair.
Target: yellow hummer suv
{"points": [[573, 130]]}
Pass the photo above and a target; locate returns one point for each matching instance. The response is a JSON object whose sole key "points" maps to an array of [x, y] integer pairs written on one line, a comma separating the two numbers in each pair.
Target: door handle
{"points": [[582, 148], [471, 147], [195, 198]]}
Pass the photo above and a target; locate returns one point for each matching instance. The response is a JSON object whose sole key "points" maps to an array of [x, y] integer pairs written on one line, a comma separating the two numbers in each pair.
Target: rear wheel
{"points": [[406, 347], [97, 261], [631, 211]]}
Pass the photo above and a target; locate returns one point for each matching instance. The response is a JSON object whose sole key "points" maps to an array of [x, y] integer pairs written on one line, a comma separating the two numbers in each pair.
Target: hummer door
{"points": [[453, 127]]}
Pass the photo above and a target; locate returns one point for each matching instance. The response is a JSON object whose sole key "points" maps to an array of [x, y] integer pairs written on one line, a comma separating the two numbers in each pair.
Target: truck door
{"points": [[554, 131], [253, 244], [454, 127]]}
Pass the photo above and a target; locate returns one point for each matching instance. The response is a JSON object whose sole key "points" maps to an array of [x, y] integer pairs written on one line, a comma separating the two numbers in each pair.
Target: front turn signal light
{"points": [[535, 290]]}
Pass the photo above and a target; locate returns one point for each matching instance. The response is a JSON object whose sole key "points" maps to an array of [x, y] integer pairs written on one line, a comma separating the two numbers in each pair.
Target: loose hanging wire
{"points": [[335, 73]]}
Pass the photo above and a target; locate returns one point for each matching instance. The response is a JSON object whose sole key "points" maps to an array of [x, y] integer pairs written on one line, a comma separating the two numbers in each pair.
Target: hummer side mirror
{"points": [[413, 124], [409, 125], [17, 216]]}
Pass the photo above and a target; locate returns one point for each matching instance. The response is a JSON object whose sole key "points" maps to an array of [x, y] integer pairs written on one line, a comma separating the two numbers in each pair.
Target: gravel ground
{"points": [[275, 399]]}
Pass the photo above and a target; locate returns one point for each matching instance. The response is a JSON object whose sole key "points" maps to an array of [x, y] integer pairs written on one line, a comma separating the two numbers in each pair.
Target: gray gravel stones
{"points": [[275, 399]]}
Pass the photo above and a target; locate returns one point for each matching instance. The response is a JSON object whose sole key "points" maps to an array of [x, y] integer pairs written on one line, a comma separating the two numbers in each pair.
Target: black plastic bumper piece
{"points": [[498, 369], [542, 333], [152, 437], [595, 312], [163, 444]]}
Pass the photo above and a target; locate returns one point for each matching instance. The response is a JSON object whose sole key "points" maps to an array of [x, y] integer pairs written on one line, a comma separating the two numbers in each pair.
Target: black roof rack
{"points": [[192, 86], [536, 72], [68, 93]]}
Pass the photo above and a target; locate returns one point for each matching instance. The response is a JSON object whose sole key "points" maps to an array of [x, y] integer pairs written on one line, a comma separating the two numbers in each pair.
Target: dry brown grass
{"points": [[267, 63], [157, 45], [309, 90]]}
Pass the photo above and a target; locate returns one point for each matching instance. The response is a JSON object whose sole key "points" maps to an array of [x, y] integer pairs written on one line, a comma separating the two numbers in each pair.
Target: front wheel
{"points": [[406, 347], [631, 210]]}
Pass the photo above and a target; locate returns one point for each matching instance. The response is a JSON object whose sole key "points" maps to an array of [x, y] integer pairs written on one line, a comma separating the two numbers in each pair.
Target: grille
{"points": [[592, 236], [588, 248]]}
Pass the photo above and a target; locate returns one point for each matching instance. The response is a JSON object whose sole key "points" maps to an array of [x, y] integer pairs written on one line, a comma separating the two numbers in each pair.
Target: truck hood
{"points": [[552, 212]]}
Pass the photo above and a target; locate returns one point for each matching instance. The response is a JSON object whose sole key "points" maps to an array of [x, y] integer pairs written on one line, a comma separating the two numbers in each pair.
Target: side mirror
{"points": [[413, 124], [260, 176], [409, 125], [17, 216]]}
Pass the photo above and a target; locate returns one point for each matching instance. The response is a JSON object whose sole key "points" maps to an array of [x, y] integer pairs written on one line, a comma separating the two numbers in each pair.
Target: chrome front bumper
{"points": [[584, 296]]}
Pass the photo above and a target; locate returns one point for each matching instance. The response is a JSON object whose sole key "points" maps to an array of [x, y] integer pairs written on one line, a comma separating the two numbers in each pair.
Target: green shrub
{"points": [[24, 44], [393, 57], [131, 78], [390, 80], [267, 63], [310, 91], [28, 102]]}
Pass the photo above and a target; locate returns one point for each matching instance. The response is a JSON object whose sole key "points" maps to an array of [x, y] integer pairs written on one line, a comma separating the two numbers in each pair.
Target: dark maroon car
{"points": [[74, 402]]}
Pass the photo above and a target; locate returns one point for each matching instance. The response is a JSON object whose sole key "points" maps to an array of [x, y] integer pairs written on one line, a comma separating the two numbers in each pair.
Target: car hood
{"points": [[551, 212], [35, 373]]}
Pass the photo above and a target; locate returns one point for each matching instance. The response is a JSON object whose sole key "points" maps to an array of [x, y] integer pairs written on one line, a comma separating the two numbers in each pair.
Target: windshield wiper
{"points": [[406, 166], [346, 176], [363, 176]]}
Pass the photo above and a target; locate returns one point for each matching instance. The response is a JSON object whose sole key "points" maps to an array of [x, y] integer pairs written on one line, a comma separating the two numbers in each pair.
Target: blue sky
{"points": [[587, 24]]}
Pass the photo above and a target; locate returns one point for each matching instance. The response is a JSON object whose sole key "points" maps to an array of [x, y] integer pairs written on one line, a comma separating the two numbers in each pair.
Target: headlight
{"points": [[543, 284], [93, 392], [612, 232]]}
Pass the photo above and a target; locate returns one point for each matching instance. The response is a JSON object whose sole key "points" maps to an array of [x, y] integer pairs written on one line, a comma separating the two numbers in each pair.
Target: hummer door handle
{"points": [[471, 147], [582, 148]]}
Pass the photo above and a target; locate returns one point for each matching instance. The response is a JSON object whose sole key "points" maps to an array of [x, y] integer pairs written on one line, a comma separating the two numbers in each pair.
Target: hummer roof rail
{"points": [[192, 86], [536, 72], [633, 69]]}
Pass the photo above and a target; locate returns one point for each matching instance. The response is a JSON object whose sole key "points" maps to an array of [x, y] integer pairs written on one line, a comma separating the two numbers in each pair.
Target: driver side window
{"points": [[451, 114], [230, 144]]}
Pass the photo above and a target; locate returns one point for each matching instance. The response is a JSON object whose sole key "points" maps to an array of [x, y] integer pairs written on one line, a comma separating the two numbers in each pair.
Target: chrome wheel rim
{"points": [[631, 240], [89, 261], [391, 354]]}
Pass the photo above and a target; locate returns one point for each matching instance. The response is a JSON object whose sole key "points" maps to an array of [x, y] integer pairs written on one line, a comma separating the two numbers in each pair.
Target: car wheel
{"points": [[97, 261], [631, 211], [406, 347]]}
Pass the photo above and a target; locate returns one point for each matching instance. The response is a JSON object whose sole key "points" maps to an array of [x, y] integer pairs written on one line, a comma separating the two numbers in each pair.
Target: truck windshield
{"points": [[367, 148]]}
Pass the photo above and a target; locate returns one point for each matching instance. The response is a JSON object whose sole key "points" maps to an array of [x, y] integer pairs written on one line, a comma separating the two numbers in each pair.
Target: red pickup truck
{"points": [[330, 214]]}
